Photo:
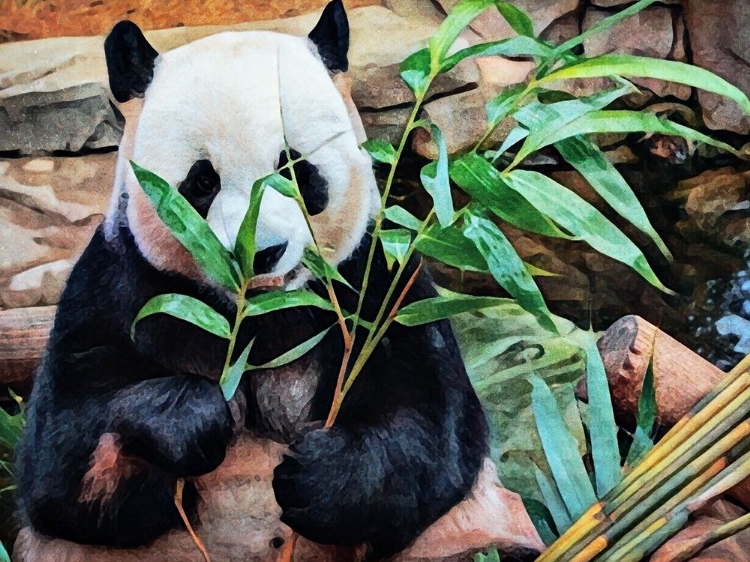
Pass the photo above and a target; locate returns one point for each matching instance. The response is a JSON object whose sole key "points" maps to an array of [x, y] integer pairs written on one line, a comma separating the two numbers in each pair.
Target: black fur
{"points": [[406, 447], [201, 186], [312, 185], [331, 37], [130, 61]]}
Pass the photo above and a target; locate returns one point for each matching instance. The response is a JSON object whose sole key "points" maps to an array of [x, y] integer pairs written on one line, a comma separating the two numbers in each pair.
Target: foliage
{"points": [[522, 391]]}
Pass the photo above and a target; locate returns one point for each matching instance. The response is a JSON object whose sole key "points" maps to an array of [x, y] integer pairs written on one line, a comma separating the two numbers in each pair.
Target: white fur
{"points": [[232, 98]]}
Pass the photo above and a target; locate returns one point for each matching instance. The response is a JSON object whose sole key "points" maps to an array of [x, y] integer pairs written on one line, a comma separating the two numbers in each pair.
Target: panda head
{"points": [[213, 116]]}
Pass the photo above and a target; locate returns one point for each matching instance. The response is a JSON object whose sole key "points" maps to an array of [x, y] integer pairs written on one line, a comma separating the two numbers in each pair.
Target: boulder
{"points": [[54, 92], [719, 43], [649, 33], [49, 208]]}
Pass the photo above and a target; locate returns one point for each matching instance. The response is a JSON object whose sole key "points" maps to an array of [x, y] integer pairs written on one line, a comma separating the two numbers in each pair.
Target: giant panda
{"points": [[113, 421]]}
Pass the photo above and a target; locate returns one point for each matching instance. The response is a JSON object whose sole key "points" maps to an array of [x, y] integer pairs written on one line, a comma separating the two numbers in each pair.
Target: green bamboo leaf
{"points": [[450, 246], [453, 25], [189, 228], [581, 153], [605, 450], [402, 217], [516, 18], [513, 47], [230, 379], [553, 501], [542, 118], [491, 556], [396, 244], [581, 219], [561, 450], [321, 268], [541, 518], [617, 121], [244, 247], [439, 308], [380, 150], [436, 181], [515, 136], [498, 107], [4, 557], [281, 184], [11, 428], [485, 184], [293, 354], [603, 25], [646, 418], [415, 72], [507, 268], [280, 300], [185, 308], [645, 67]]}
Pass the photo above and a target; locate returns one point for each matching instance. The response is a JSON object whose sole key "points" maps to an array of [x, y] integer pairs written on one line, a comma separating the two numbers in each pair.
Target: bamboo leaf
{"points": [[485, 184], [561, 451], [436, 182], [618, 121], [582, 220], [189, 228], [11, 427], [396, 244], [439, 308], [453, 25], [646, 418], [321, 268], [415, 72], [293, 354], [646, 67], [4, 557], [514, 47], [402, 217], [450, 246], [281, 184], [381, 151], [605, 450], [244, 247], [553, 501], [230, 379], [279, 300], [185, 308], [581, 153], [498, 107], [507, 268], [516, 18]]}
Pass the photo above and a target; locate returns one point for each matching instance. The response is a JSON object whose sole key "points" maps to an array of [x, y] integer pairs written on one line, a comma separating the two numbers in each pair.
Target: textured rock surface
{"points": [[49, 208], [54, 93], [239, 522], [720, 43]]}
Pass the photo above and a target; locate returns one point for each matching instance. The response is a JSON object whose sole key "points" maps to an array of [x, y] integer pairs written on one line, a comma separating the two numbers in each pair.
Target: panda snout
{"points": [[266, 259]]}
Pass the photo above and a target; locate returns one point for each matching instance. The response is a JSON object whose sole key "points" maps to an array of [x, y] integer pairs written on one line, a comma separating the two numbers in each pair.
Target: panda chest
{"points": [[284, 398]]}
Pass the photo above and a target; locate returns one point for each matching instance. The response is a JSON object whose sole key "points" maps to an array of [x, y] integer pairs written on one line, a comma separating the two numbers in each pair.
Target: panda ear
{"points": [[331, 37], [130, 61]]}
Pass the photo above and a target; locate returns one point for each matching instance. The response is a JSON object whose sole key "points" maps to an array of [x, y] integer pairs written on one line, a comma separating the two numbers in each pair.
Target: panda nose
{"points": [[266, 259]]}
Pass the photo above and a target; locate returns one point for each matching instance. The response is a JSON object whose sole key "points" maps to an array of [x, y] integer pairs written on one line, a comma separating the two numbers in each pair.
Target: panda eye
{"points": [[312, 184], [200, 186]]}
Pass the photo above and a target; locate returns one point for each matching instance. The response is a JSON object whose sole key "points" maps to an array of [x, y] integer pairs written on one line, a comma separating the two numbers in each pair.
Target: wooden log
{"points": [[681, 376], [23, 337]]}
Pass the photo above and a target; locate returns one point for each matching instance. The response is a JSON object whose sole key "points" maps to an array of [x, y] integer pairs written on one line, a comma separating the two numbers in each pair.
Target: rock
{"points": [[54, 92], [718, 41], [49, 209], [738, 327], [239, 521], [648, 33], [462, 120], [715, 204], [38, 286], [562, 29], [386, 125], [491, 26]]}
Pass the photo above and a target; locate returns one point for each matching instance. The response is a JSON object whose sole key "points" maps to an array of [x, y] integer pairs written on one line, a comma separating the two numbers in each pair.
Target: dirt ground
{"points": [[36, 19]]}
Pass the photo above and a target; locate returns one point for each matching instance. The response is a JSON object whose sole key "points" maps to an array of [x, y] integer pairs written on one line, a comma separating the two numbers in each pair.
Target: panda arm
{"points": [[406, 447]]}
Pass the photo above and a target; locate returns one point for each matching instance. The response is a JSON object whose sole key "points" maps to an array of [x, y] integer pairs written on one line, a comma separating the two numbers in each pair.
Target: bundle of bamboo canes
{"points": [[703, 455]]}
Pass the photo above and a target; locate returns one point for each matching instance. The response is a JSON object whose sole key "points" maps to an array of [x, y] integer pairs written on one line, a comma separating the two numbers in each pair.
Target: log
{"points": [[23, 337], [681, 376]]}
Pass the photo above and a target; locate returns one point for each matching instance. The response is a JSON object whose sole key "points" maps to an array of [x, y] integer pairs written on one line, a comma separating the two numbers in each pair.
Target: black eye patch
{"points": [[200, 186], [312, 185]]}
